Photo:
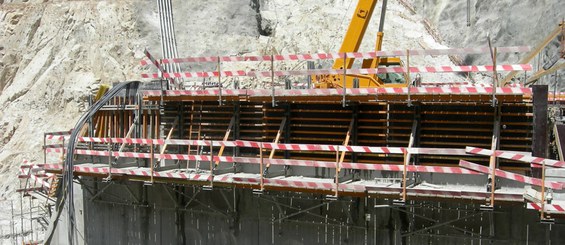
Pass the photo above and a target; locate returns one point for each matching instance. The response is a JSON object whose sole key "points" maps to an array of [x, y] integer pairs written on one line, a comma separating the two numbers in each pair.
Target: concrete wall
{"points": [[146, 214]]}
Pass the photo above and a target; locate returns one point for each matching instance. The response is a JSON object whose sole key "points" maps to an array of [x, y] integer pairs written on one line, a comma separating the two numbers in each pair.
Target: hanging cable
{"points": [[66, 192]]}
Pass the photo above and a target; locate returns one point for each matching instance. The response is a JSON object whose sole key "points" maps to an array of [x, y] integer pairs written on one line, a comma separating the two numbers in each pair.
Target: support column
{"points": [[287, 135], [539, 141], [354, 136], [236, 131], [540, 132]]}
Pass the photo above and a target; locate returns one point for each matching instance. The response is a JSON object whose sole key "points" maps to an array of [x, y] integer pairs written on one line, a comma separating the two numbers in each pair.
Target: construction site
{"points": [[349, 146]]}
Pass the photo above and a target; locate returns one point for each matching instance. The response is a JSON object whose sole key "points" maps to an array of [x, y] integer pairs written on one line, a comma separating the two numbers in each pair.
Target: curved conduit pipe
{"points": [[66, 191]]}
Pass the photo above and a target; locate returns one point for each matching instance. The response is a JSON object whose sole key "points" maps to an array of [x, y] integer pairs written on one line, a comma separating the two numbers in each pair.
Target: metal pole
{"points": [[404, 172], [161, 29], [468, 12], [152, 159], [174, 41], [542, 216], [45, 149], [408, 75], [337, 170], [273, 80], [109, 159], [344, 77], [220, 80], [261, 164], [63, 152], [554, 88], [211, 163]]}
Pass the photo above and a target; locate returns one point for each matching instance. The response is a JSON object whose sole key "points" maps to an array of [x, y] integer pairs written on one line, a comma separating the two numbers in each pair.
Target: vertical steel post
{"points": [[261, 165], [468, 12], [63, 152], [273, 81], [152, 159], [45, 149], [109, 159], [408, 76], [211, 162], [337, 170], [555, 88], [404, 173], [344, 77], [542, 216], [540, 123], [220, 80]]}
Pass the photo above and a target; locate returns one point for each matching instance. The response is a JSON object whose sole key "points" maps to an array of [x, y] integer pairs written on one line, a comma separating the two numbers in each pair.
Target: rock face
{"points": [[509, 23], [52, 54]]}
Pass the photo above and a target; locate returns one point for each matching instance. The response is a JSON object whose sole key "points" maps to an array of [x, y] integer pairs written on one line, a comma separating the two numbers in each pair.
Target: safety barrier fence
{"points": [[329, 185], [322, 56], [382, 70], [348, 92], [272, 73], [548, 208], [465, 167], [516, 156], [35, 175]]}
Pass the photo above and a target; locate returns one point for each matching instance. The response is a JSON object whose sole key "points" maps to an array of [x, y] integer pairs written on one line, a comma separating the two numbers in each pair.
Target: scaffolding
{"points": [[413, 145]]}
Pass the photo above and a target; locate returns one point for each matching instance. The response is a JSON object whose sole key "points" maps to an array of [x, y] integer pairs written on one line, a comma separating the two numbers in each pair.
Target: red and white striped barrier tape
{"points": [[548, 208], [142, 172], [57, 135], [461, 84], [381, 70], [401, 91], [516, 156], [289, 162], [55, 150], [322, 56], [156, 64], [207, 92], [151, 60], [511, 176], [35, 178], [289, 182], [349, 92], [278, 146], [360, 166]]}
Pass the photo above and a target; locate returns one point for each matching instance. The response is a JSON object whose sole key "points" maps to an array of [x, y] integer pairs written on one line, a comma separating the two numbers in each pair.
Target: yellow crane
{"points": [[351, 43]]}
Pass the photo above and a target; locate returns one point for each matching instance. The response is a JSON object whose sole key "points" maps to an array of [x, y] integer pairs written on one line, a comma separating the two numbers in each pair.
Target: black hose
{"points": [[68, 175]]}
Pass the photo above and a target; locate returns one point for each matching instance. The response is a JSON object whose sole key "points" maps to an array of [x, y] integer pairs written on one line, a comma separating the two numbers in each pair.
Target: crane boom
{"points": [[356, 30], [351, 43]]}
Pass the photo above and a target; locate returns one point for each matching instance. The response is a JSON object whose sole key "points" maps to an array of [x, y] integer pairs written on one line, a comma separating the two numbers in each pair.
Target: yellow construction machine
{"points": [[351, 42]]}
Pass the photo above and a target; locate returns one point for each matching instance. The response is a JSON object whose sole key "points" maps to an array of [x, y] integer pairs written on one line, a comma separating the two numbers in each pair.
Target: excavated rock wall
{"points": [[509, 23], [53, 54]]}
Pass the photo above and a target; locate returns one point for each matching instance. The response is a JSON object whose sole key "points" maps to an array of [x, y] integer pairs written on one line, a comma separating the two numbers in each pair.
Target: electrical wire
{"points": [[66, 191]]}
